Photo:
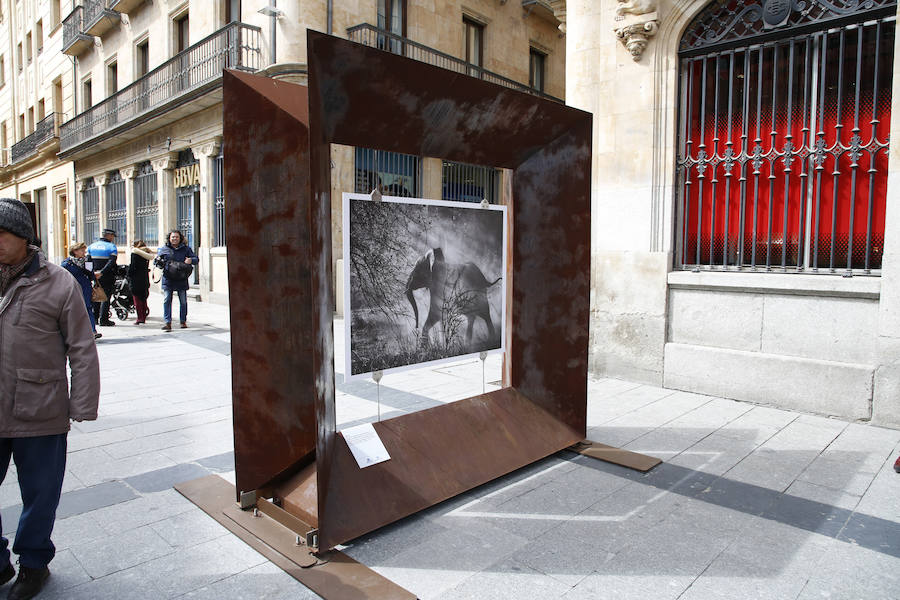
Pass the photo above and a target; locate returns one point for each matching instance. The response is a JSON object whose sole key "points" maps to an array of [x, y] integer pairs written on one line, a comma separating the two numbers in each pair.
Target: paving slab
{"points": [[752, 502]]}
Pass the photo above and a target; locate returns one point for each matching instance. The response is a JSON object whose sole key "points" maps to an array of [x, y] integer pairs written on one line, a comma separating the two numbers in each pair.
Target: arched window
{"points": [[783, 135]]}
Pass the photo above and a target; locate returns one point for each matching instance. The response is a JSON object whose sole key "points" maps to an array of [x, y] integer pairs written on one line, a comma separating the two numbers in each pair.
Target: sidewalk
{"points": [[752, 502]]}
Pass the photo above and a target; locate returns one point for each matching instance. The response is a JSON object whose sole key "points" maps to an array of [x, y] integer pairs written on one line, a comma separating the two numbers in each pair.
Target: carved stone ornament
{"points": [[209, 147], [635, 37], [634, 7], [165, 163]]}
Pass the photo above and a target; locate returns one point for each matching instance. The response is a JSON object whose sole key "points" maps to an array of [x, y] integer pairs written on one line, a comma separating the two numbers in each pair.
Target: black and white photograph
{"points": [[423, 281]]}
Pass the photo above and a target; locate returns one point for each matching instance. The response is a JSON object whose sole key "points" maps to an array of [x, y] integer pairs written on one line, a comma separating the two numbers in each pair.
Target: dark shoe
{"points": [[29, 583], [897, 465], [8, 573], [107, 323], [167, 327], [183, 325], [97, 335]]}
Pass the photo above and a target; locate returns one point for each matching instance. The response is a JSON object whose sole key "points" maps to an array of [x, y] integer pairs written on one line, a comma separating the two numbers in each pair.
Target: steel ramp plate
{"points": [[334, 575], [616, 456]]}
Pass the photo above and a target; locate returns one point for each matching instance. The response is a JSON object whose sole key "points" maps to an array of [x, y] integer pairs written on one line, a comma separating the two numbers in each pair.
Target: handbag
{"points": [[98, 294], [178, 271]]}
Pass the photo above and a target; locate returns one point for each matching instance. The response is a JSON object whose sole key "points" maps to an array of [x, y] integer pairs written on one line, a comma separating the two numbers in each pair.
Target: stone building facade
{"points": [[746, 228], [146, 138], [35, 98]]}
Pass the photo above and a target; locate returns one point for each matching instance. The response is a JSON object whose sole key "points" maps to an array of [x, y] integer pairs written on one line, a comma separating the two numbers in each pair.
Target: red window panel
{"points": [[783, 152]]}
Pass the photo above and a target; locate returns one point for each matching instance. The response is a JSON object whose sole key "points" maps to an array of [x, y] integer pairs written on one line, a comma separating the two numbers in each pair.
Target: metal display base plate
{"points": [[333, 575], [616, 456]]}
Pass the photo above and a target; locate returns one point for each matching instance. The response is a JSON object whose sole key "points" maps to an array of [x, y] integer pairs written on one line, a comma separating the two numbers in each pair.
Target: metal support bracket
{"points": [[312, 540], [248, 500]]}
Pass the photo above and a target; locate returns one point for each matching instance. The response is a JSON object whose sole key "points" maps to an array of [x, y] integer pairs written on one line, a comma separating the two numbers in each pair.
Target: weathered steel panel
{"points": [[436, 454], [266, 148], [366, 97]]}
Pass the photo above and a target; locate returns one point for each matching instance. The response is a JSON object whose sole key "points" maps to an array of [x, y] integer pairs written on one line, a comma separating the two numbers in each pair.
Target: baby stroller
{"points": [[121, 300]]}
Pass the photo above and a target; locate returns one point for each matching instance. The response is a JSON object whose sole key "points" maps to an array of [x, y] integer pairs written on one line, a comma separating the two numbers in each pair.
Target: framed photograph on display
{"points": [[424, 281]]}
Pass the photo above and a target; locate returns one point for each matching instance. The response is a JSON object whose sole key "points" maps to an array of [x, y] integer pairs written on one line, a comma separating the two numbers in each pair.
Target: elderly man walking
{"points": [[42, 323]]}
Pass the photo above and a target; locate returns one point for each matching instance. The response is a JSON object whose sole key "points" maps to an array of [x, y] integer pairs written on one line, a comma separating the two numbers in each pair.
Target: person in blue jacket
{"points": [[175, 250], [103, 254], [85, 278]]}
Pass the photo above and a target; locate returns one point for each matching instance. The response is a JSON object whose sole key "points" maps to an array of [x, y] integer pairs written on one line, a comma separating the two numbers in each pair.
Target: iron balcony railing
{"points": [[99, 16], [235, 46], [45, 130], [73, 26], [372, 36], [94, 10]]}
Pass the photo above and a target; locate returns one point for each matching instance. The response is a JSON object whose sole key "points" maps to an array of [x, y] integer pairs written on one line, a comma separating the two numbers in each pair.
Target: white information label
{"points": [[365, 445]]}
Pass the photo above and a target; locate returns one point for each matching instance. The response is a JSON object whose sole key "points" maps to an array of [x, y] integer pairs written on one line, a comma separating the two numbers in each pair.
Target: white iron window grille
{"points": [[392, 173], [90, 211], [783, 136], [146, 206], [219, 201], [469, 183], [116, 208]]}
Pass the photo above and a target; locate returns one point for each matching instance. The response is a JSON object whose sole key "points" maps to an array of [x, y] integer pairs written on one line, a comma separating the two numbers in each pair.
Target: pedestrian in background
{"points": [[42, 324], [175, 279], [102, 255], [139, 275], [75, 265]]}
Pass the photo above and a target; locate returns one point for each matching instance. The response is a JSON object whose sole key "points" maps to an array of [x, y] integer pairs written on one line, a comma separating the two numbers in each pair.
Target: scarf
{"points": [[9, 273], [78, 262]]}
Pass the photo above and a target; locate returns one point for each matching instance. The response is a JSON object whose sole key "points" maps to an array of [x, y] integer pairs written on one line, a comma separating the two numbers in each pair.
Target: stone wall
{"points": [[823, 344]]}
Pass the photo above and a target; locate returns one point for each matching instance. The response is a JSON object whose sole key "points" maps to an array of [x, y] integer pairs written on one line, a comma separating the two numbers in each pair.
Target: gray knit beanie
{"points": [[15, 218]]}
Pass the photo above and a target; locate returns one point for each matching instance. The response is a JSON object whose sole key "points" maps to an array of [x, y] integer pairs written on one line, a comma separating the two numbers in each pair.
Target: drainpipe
{"points": [[74, 88], [272, 29], [273, 12], [330, 5]]}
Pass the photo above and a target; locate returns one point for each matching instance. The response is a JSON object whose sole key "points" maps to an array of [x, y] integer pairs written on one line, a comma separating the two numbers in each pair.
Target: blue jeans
{"points": [[41, 465], [182, 305]]}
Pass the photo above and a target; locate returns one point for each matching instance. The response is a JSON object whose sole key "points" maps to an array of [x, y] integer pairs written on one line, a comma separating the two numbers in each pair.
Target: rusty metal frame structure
{"points": [[277, 140]]}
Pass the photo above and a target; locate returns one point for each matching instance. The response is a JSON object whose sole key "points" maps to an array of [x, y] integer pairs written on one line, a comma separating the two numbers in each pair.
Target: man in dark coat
{"points": [[43, 326], [175, 250]]}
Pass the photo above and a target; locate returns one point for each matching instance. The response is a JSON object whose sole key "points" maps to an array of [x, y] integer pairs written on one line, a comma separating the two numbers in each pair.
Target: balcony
{"points": [[543, 9], [166, 90], [369, 35], [125, 6], [46, 130], [99, 17], [75, 41]]}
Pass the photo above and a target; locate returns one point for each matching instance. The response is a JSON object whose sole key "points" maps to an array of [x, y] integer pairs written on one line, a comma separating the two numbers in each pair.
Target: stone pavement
{"points": [[752, 502]]}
